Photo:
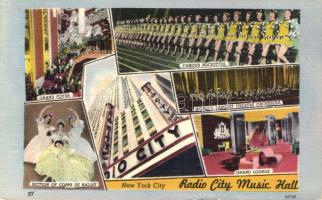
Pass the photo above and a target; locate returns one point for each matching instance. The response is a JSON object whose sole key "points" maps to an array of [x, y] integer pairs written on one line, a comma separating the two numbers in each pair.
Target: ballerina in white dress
{"points": [[76, 142], [60, 133], [41, 141]]}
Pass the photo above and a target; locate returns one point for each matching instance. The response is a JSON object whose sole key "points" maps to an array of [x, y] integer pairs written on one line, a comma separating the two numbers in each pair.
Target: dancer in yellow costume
{"points": [[283, 39], [270, 27], [221, 34], [232, 34], [147, 33], [254, 37], [178, 33], [243, 35], [160, 33], [211, 34], [185, 33], [143, 33], [204, 28], [156, 34], [171, 35], [152, 37], [165, 34], [195, 28]]}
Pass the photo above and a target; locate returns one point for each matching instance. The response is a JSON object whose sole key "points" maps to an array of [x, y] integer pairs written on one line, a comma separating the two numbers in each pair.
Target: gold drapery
{"points": [[29, 54], [237, 79]]}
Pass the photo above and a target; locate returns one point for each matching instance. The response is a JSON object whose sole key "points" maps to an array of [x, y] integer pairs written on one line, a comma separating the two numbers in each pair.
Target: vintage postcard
{"points": [[162, 99]]}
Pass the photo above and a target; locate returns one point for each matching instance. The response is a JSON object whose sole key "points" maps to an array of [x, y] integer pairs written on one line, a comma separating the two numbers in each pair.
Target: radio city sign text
{"points": [[148, 150]]}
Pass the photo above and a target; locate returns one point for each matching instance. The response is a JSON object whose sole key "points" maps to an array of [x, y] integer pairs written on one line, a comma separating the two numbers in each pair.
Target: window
{"points": [[138, 131], [141, 106], [123, 129], [125, 141], [145, 113], [115, 148], [135, 120], [123, 120], [149, 123], [116, 136], [123, 117]]}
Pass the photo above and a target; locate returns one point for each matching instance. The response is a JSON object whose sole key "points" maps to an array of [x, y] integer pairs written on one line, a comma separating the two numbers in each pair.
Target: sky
{"points": [[98, 75]]}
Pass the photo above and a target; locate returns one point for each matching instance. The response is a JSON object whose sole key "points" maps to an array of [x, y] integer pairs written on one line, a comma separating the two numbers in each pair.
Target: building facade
{"points": [[146, 130]]}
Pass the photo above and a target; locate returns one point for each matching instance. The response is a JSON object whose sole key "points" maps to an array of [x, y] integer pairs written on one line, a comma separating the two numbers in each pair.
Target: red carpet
{"points": [[258, 139], [290, 161], [216, 163]]}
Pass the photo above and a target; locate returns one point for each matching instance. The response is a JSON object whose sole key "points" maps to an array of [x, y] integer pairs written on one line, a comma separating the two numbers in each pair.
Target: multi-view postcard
{"points": [[162, 99]]}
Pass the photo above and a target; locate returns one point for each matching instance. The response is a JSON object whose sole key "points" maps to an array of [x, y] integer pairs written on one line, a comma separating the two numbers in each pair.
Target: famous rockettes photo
{"points": [[166, 38]]}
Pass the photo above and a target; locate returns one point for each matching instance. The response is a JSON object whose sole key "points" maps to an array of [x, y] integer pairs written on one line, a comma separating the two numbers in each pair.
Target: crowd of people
{"points": [[219, 35], [242, 95], [60, 76], [56, 81]]}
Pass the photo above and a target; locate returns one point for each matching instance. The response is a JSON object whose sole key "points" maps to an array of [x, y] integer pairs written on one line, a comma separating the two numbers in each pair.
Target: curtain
{"points": [[237, 79]]}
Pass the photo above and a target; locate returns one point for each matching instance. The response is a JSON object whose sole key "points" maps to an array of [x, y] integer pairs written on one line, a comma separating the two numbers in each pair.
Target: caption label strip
{"points": [[271, 183]]}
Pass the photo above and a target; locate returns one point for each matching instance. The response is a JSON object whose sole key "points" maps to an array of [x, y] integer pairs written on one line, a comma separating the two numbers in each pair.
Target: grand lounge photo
{"points": [[262, 139]]}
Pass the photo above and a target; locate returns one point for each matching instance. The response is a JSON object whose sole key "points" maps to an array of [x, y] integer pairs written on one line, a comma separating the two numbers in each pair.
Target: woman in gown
{"points": [[76, 142], [60, 133], [63, 165], [41, 141]]}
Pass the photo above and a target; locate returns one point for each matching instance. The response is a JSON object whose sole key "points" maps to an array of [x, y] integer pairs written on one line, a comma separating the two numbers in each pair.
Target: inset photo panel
{"points": [[137, 130], [250, 142], [254, 87], [57, 44], [59, 151], [159, 39]]}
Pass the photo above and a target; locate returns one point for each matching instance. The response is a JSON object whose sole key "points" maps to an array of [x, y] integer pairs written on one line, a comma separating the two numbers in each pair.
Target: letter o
{"points": [[122, 166]]}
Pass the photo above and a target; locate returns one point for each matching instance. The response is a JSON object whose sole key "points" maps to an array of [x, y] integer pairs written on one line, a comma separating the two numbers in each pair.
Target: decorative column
{"points": [[271, 129], [238, 133], [293, 119]]}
